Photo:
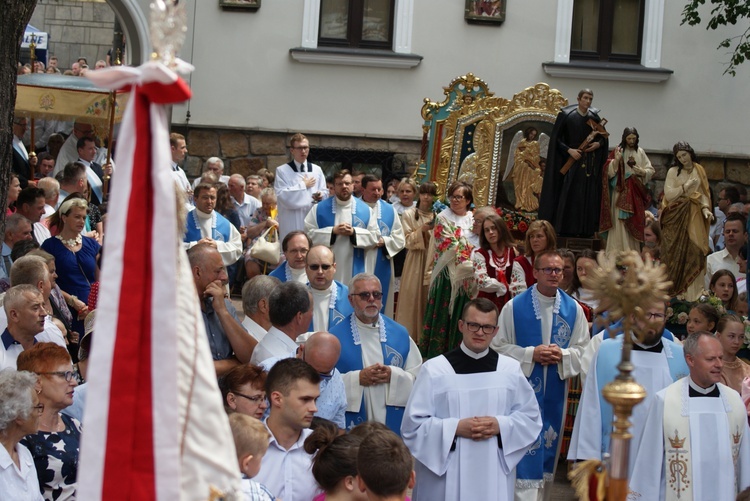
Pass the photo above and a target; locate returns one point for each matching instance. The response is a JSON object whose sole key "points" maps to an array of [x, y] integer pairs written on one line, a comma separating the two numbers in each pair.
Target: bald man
{"points": [[322, 350], [330, 297]]}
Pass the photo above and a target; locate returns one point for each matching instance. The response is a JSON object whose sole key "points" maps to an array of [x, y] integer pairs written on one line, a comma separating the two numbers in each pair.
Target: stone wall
{"points": [[720, 171], [245, 152], [76, 28]]}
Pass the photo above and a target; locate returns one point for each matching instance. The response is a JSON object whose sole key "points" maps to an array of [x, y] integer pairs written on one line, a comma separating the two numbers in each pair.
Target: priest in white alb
{"points": [[658, 362], [345, 224], [471, 417], [378, 361], [546, 331], [695, 442], [205, 225], [391, 241], [299, 184], [330, 298]]}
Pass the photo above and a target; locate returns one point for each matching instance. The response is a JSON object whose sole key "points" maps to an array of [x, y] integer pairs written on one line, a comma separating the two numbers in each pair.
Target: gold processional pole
{"points": [[626, 288], [105, 179], [32, 154]]}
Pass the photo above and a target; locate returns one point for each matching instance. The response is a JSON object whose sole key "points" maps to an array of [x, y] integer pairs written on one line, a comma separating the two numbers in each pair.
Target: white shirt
{"points": [[274, 344], [321, 303], [18, 483], [721, 260], [254, 328], [246, 209], [288, 473], [41, 233]]}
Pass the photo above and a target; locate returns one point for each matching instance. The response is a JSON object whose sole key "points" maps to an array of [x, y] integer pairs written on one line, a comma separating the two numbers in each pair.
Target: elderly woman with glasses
{"points": [[55, 445], [243, 389], [19, 416], [452, 282]]}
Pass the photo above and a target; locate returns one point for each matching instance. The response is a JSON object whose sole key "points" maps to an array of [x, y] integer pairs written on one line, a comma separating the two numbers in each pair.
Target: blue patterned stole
{"points": [[385, 214], [394, 341], [325, 216], [339, 306], [537, 466], [607, 359], [220, 228], [282, 272]]}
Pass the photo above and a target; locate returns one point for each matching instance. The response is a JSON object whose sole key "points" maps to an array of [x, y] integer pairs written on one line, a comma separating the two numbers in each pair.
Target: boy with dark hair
{"points": [[386, 467]]}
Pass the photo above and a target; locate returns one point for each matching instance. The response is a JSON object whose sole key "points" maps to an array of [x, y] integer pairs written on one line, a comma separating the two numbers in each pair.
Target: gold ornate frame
{"points": [[470, 105]]}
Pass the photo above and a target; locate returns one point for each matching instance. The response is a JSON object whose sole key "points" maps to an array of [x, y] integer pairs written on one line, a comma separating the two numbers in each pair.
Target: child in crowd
{"points": [[335, 464], [251, 441], [724, 286], [702, 317], [386, 467]]}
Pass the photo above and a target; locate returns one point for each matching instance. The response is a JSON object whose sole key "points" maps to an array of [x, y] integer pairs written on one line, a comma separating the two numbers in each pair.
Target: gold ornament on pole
{"points": [[626, 287]]}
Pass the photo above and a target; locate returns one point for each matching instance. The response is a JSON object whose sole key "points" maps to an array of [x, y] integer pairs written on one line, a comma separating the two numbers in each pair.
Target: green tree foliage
{"points": [[724, 13]]}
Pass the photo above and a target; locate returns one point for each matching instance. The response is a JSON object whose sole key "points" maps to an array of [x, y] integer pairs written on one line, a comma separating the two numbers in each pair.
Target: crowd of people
{"points": [[391, 342]]}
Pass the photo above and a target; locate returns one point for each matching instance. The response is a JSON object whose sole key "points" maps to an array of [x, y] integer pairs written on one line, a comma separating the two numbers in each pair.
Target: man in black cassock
{"points": [[572, 201]]}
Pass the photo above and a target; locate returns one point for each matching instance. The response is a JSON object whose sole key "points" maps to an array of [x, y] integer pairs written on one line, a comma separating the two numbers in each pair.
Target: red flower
{"points": [[522, 226]]}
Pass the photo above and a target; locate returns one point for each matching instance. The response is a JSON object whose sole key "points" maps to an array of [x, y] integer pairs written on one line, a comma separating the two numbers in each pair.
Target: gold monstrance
{"points": [[626, 287]]}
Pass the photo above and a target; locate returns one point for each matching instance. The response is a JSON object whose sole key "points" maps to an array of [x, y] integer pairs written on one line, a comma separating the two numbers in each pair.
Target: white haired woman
{"points": [[19, 416]]}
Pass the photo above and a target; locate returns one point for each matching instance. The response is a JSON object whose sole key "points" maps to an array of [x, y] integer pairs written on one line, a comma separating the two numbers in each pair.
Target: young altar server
{"points": [[471, 417]]}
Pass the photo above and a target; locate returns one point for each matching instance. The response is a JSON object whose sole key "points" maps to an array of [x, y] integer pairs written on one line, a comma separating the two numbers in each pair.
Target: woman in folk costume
{"points": [[418, 223], [686, 216], [452, 281], [493, 261]]}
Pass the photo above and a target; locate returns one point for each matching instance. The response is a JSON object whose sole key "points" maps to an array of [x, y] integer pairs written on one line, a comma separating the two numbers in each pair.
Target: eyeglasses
{"points": [[365, 296], [67, 375], [551, 271], [255, 399], [316, 267], [457, 197], [39, 408], [655, 316], [326, 376], [486, 329], [303, 148]]}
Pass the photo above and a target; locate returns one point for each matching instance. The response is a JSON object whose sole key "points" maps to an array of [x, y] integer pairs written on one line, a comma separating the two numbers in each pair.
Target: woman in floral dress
{"points": [[452, 281]]}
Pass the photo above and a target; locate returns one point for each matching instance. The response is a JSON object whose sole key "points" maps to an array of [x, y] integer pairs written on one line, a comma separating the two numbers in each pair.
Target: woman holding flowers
{"points": [[452, 281]]}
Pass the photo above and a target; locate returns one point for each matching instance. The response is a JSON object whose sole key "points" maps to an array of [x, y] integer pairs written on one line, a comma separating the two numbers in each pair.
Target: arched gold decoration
{"points": [[471, 114]]}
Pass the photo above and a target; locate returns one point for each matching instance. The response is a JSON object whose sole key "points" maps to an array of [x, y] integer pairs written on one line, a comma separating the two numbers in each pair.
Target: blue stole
{"points": [[281, 272], [385, 214], [325, 216], [339, 307], [607, 359], [220, 228], [394, 340], [535, 468]]}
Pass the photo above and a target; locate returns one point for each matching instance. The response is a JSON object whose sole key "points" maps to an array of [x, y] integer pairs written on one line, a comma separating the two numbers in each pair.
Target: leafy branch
{"points": [[724, 13]]}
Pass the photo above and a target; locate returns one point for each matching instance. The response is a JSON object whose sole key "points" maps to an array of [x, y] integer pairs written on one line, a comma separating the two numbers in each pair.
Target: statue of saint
{"points": [[623, 218], [524, 164], [571, 201], [685, 218]]}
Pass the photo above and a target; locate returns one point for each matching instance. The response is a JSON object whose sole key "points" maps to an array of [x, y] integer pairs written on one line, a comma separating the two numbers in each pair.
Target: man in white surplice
{"points": [[544, 328], [299, 184], [347, 225], [658, 362], [205, 225], [391, 241], [695, 442], [378, 361], [471, 417]]}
